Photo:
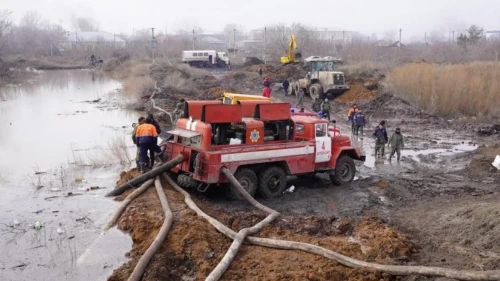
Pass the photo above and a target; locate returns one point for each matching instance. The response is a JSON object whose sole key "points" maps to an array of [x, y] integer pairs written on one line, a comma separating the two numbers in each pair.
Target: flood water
{"points": [[60, 134]]}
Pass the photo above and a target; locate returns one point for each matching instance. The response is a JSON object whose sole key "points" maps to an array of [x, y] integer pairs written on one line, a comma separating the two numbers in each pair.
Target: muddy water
{"points": [[57, 135]]}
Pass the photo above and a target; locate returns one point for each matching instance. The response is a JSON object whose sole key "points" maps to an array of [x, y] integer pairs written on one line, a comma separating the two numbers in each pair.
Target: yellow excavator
{"points": [[293, 57]]}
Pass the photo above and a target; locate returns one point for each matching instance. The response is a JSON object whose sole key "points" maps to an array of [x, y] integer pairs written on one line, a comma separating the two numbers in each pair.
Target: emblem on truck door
{"points": [[254, 136]]}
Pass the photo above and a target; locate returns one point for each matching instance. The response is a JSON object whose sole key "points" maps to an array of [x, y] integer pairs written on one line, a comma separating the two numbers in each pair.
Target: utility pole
{"points": [[193, 38], [453, 37], [343, 38], [265, 43], [400, 30], [153, 43], [234, 42], [425, 38]]}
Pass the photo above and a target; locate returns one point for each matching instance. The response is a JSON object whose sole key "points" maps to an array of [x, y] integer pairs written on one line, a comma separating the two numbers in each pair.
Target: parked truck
{"points": [[206, 59], [261, 149]]}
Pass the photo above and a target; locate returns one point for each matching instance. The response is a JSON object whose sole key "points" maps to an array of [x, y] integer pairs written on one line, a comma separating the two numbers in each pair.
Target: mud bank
{"points": [[432, 208]]}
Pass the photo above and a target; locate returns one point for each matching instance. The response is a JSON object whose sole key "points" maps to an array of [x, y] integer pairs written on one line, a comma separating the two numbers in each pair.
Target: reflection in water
{"points": [[46, 125]]}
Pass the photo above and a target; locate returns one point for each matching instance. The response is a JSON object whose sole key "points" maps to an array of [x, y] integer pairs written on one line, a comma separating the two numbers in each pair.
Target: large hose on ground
{"points": [[329, 254], [116, 216], [167, 223], [231, 253], [146, 176]]}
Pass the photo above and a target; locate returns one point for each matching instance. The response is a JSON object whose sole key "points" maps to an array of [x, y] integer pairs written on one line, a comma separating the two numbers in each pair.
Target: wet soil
{"points": [[438, 206]]}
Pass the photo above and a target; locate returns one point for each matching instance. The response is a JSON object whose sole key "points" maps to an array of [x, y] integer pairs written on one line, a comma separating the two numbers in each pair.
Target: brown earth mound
{"points": [[356, 93], [482, 159], [193, 247]]}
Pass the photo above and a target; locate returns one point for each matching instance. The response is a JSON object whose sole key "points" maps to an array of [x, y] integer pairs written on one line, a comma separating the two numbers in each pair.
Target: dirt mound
{"points": [[266, 68], [379, 242], [482, 159], [489, 130], [250, 61], [181, 81], [193, 247], [388, 106], [356, 93], [217, 92]]}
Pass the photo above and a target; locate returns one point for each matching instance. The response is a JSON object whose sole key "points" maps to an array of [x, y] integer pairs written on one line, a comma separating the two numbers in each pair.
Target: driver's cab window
{"points": [[321, 130], [228, 100]]}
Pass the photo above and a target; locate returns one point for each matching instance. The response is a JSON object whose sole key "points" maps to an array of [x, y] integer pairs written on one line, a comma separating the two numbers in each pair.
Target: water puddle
{"points": [[64, 134]]}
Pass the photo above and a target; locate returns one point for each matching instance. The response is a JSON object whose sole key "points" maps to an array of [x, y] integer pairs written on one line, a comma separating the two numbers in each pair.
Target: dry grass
{"points": [[471, 89], [119, 150]]}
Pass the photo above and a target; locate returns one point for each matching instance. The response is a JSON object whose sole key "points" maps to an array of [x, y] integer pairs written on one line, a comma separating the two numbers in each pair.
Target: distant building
{"points": [[388, 44], [337, 36], [212, 42], [492, 34], [89, 38]]}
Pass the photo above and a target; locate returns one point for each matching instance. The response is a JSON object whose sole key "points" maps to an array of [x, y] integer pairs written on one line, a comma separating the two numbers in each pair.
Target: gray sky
{"points": [[366, 16]]}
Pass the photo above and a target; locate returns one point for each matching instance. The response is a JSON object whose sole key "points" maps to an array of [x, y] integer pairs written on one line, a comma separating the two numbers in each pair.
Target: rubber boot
{"points": [[142, 168]]}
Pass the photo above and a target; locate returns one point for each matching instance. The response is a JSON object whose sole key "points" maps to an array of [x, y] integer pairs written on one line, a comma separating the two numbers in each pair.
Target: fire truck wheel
{"points": [[248, 181], [345, 170], [272, 182]]}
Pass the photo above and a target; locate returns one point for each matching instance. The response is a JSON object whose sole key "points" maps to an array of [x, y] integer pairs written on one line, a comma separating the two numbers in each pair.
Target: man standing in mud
{"points": [[325, 107], [286, 84], [316, 106], [300, 99], [350, 114], [397, 143], [146, 137], [157, 148], [359, 122], [380, 140]]}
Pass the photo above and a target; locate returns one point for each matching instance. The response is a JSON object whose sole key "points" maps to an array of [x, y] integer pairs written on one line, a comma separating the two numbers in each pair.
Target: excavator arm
{"points": [[292, 56]]}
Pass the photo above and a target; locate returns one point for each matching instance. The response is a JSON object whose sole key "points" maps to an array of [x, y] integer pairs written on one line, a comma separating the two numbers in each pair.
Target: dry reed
{"points": [[471, 89]]}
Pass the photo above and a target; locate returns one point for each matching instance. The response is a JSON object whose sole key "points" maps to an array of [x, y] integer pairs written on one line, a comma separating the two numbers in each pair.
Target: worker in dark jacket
{"points": [[154, 123], [359, 121], [316, 106], [146, 138], [397, 143], [325, 107], [260, 72], [381, 139], [286, 84]]}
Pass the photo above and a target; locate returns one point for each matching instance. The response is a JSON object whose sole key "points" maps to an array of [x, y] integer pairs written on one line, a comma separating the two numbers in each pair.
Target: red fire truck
{"points": [[261, 150]]}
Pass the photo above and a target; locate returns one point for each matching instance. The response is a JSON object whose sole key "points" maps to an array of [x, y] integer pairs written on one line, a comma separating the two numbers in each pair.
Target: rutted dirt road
{"points": [[437, 207]]}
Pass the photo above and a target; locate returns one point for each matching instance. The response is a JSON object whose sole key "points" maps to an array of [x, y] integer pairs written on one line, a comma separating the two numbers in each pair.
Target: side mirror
{"points": [[334, 121]]}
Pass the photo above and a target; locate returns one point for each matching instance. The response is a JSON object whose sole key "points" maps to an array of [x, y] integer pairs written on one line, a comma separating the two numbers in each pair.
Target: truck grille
{"points": [[338, 79]]}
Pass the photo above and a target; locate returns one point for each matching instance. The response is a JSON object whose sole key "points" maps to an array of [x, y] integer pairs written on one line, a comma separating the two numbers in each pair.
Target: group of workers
{"points": [[396, 142], [145, 137]]}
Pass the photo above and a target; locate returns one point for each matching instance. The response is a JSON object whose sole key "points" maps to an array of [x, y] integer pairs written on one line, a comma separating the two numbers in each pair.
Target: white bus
{"points": [[205, 58]]}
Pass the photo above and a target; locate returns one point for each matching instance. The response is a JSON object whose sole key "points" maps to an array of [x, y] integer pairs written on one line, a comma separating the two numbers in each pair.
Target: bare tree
{"points": [[5, 29]]}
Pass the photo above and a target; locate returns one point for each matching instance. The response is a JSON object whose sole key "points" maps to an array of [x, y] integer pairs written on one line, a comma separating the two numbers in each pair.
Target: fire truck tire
{"points": [[248, 180], [186, 182], [272, 182], [344, 171]]}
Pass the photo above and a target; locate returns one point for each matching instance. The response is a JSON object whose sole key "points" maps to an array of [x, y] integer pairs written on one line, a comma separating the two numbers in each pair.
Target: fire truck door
{"points": [[323, 143]]}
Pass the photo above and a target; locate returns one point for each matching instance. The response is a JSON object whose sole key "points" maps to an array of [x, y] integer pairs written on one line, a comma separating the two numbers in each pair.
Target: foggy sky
{"points": [[366, 16]]}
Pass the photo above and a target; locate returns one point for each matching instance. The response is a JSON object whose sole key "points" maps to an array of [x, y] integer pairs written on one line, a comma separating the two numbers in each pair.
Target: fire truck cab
{"points": [[261, 150]]}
